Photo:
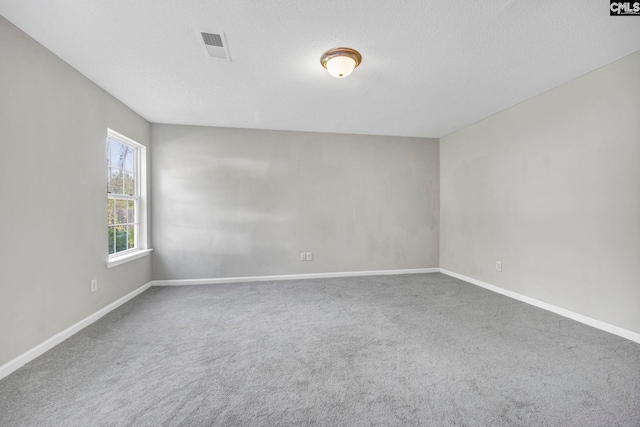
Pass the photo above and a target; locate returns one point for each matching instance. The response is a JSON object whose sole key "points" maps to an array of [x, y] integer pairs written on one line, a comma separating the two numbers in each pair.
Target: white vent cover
{"points": [[215, 44]]}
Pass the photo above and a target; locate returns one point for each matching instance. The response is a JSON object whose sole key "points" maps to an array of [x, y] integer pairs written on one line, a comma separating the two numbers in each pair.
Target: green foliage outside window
{"points": [[122, 201], [124, 239]]}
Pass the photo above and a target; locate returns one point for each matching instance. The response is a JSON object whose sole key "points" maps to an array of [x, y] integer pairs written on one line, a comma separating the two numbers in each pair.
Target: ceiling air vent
{"points": [[215, 45]]}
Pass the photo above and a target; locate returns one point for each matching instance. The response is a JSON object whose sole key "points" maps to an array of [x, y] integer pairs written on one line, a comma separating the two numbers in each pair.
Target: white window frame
{"points": [[140, 248]]}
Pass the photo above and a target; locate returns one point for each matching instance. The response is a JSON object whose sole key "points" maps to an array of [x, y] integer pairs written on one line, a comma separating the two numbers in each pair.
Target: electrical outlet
{"points": [[94, 285], [498, 266], [309, 256], [303, 256]]}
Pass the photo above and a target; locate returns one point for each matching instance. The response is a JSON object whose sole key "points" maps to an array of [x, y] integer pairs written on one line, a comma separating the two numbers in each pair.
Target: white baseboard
{"points": [[211, 281], [41, 348], [38, 350], [633, 336]]}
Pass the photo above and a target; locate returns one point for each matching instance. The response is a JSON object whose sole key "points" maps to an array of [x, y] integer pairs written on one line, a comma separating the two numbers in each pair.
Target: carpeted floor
{"points": [[422, 349]]}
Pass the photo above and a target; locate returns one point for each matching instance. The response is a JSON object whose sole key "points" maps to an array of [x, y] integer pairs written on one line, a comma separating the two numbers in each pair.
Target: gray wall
{"points": [[236, 202], [551, 187], [53, 124]]}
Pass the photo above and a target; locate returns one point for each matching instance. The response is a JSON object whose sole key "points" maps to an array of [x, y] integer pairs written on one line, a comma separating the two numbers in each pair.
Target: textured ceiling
{"points": [[429, 67]]}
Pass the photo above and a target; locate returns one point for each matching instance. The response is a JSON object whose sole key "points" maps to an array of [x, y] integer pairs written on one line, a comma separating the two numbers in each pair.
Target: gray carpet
{"points": [[406, 350]]}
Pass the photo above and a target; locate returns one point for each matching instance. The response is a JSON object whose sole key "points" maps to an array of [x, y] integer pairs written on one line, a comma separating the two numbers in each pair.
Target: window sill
{"points": [[112, 262]]}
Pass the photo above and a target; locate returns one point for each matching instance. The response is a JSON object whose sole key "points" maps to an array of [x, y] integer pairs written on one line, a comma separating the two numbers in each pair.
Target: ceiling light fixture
{"points": [[340, 61]]}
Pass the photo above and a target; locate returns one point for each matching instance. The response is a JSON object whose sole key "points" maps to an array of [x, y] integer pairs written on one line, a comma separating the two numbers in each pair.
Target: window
{"points": [[125, 196]]}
